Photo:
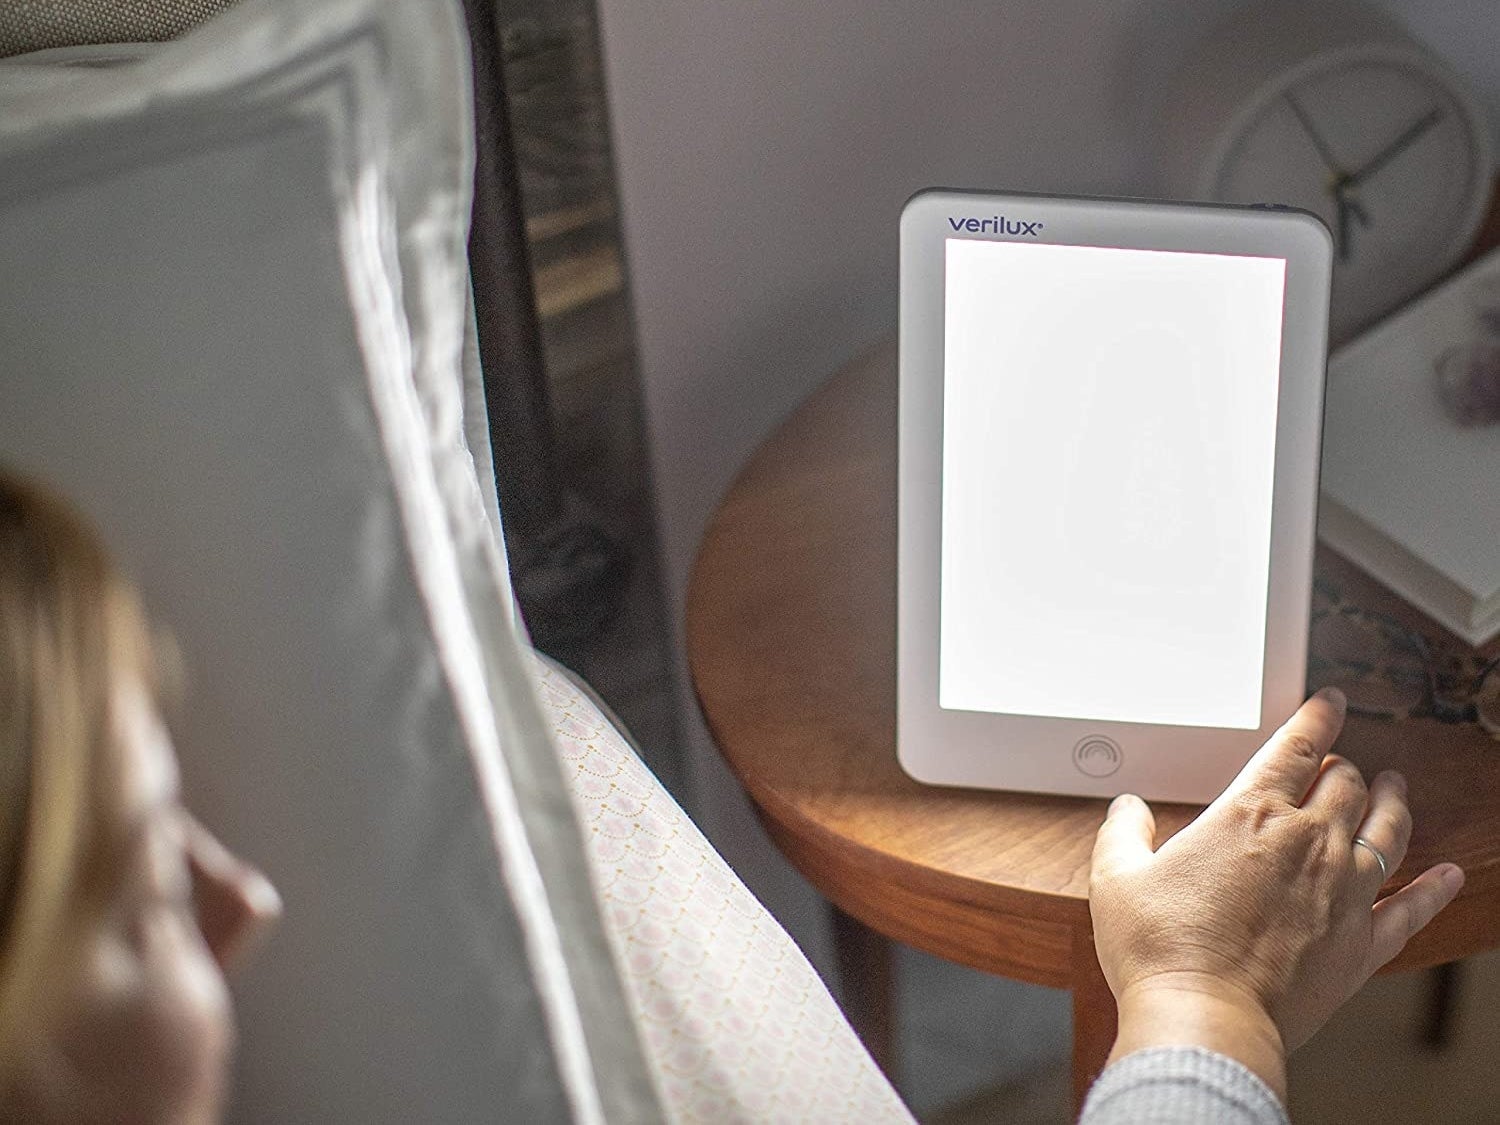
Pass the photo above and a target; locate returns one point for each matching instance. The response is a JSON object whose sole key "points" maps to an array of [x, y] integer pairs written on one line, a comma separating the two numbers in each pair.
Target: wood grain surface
{"points": [[791, 643]]}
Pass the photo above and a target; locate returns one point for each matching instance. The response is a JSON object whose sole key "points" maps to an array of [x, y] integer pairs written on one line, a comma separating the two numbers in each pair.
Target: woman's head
{"points": [[118, 912]]}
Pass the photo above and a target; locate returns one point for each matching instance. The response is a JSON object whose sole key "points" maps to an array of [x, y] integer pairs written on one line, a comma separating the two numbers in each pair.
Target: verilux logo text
{"points": [[997, 224]]}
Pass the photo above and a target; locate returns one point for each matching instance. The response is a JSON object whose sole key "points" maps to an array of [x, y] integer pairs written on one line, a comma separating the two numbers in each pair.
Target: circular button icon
{"points": [[1097, 756]]}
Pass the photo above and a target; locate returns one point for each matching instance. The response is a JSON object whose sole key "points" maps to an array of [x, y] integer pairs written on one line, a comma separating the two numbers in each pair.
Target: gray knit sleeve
{"points": [[1180, 1086]]}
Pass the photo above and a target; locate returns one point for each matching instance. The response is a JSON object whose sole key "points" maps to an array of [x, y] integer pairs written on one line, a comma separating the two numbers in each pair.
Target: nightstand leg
{"points": [[1093, 1016], [1444, 982], [867, 981]]}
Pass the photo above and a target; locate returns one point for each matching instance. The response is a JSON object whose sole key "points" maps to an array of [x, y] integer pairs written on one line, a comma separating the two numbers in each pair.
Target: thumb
{"points": [[1128, 834]]}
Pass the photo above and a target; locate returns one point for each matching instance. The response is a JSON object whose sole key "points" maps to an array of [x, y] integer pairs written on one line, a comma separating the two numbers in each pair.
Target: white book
{"points": [[1409, 494]]}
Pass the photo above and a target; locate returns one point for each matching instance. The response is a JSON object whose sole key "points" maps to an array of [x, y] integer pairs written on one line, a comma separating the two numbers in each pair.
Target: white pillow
{"points": [[221, 268]]}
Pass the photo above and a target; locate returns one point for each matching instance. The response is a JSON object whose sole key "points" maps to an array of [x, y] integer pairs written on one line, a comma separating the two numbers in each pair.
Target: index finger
{"points": [[1287, 765]]}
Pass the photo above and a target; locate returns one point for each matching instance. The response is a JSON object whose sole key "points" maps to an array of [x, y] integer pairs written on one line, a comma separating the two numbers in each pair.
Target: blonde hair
{"points": [[69, 628]]}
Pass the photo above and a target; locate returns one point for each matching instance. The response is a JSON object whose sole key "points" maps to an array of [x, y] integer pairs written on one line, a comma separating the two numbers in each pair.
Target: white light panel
{"points": [[1109, 420]]}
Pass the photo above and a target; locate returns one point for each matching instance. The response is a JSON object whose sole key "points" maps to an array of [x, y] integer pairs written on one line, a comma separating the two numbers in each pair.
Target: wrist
{"points": [[1182, 1011]]}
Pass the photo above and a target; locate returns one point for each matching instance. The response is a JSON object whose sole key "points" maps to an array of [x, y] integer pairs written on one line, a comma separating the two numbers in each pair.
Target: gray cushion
{"points": [[36, 25]]}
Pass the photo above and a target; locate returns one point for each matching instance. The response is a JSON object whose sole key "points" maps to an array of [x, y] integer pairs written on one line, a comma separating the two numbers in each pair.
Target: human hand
{"points": [[1249, 928]]}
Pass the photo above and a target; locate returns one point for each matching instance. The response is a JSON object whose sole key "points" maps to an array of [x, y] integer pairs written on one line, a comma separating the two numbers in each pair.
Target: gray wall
{"points": [[764, 150]]}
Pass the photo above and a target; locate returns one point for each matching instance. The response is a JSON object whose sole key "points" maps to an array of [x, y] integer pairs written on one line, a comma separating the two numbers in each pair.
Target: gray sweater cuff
{"points": [[1187, 1085]]}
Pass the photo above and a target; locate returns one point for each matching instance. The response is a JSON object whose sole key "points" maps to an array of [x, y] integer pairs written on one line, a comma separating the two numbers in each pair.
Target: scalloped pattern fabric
{"points": [[34, 25], [737, 1024]]}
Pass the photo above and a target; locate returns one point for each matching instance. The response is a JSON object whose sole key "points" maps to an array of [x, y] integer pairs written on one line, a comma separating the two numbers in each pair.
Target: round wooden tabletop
{"points": [[791, 643]]}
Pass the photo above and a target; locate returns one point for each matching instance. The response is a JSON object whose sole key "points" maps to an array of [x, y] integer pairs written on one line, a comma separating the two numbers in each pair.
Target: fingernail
{"points": [[1399, 780], [1453, 877], [1120, 802], [1336, 697]]}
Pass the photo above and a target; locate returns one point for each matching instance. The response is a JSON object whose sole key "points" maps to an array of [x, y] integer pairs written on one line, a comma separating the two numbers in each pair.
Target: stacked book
{"points": [[1411, 453]]}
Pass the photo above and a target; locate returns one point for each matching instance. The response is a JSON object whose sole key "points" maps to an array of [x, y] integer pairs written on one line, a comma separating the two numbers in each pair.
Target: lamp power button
{"points": [[1097, 756]]}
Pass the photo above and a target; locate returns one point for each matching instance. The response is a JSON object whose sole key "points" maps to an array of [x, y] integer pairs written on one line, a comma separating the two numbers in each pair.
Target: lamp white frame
{"points": [[1052, 755]]}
